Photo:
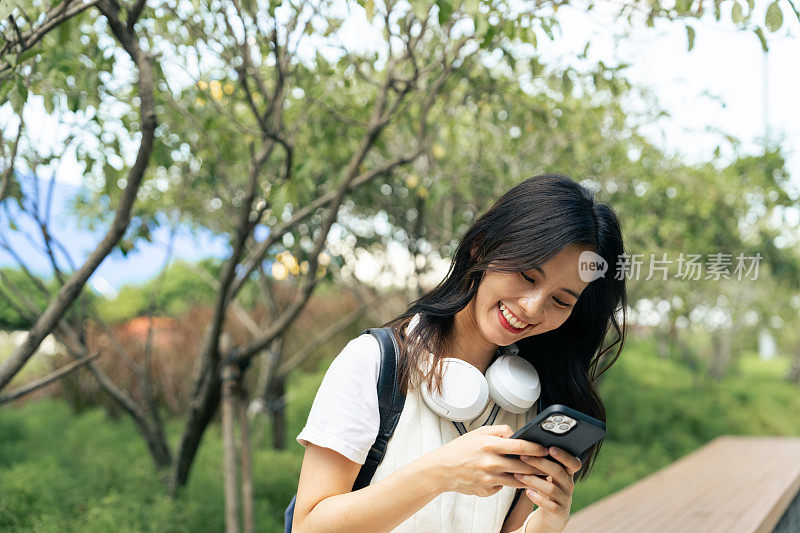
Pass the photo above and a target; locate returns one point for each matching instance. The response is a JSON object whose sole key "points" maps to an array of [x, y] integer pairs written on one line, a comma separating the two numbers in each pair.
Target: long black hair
{"points": [[526, 227]]}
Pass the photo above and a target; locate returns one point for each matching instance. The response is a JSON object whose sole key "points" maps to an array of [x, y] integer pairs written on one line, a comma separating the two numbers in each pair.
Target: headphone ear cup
{"points": [[464, 393], [513, 383]]}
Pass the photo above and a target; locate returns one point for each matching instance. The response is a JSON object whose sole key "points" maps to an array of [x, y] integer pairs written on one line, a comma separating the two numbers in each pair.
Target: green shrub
{"points": [[63, 472]]}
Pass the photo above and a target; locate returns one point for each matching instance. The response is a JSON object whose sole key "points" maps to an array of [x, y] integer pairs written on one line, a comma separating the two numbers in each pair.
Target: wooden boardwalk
{"points": [[730, 485]]}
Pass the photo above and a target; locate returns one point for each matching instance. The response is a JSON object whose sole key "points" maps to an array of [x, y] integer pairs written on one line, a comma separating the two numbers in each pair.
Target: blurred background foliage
{"points": [[658, 411], [470, 109]]}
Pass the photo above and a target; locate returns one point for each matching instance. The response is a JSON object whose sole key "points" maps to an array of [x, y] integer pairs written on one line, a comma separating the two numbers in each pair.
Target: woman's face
{"points": [[535, 301]]}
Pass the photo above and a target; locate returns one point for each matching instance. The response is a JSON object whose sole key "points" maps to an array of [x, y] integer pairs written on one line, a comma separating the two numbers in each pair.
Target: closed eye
{"points": [[562, 304], [565, 305]]}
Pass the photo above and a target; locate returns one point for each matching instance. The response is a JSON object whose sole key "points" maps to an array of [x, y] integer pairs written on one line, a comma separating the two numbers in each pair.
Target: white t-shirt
{"points": [[344, 416]]}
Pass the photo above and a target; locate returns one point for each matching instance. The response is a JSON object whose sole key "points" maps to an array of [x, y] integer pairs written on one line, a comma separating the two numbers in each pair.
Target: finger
{"points": [[544, 486], [509, 480], [500, 430], [555, 471], [520, 447], [542, 501], [570, 462], [513, 465]]}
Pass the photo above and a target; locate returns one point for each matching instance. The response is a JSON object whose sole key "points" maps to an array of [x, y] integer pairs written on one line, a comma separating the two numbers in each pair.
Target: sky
{"points": [[139, 265], [725, 83]]}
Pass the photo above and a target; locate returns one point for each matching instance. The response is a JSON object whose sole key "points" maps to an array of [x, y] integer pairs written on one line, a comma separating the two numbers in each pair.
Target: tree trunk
{"points": [[248, 503], [208, 400], [277, 411], [793, 376], [229, 378], [721, 341]]}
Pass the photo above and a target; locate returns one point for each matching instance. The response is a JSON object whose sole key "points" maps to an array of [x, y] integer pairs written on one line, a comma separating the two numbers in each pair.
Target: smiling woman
{"points": [[513, 297], [520, 304]]}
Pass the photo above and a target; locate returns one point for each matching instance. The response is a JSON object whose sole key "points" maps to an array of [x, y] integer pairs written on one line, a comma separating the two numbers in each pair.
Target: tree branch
{"points": [[257, 255], [48, 379], [70, 291], [134, 14], [9, 170], [52, 19]]}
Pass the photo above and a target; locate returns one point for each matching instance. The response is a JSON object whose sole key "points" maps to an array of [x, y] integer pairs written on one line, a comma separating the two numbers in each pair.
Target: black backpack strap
{"points": [[517, 494], [390, 403]]}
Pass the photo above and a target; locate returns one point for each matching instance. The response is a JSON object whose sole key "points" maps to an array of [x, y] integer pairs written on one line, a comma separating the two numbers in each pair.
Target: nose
{"points": [[533, 306]]}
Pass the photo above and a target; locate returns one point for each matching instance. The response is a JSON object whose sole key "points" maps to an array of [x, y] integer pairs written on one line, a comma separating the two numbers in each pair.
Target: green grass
{"points": [[63, 472], [658, 411]]}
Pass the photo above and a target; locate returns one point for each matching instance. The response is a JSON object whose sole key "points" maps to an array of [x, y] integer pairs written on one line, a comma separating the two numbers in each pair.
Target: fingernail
{"points": [[524, 457], [553, 451]]}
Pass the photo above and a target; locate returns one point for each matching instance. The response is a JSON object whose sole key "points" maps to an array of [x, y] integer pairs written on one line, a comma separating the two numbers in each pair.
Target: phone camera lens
{"points": [[548, 425], [558, 419], [564, 427]]}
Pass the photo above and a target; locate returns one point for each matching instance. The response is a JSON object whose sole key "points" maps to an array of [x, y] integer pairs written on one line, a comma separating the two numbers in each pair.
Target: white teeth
{"points": [[511, 318]]}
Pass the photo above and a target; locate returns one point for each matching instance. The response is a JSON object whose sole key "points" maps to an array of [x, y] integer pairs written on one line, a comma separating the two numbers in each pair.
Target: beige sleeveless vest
{"points": [[420, 431]]}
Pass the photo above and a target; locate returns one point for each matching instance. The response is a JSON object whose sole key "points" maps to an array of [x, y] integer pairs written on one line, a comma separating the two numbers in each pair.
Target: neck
{"points": [[467, 344]]}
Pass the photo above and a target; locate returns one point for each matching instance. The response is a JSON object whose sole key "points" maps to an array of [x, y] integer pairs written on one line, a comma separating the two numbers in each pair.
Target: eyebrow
{"points": [[570, 291]]}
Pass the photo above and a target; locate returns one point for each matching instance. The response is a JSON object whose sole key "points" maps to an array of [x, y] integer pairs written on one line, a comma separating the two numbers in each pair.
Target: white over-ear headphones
{"points": [[510, 381]]}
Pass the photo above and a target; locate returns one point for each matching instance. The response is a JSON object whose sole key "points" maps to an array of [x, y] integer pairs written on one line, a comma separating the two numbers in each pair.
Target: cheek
{"points": [[555, 319]]}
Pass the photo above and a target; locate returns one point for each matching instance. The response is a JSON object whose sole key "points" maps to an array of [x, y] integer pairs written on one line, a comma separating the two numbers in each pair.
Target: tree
{"points": [[267, 143], [26, 35]]}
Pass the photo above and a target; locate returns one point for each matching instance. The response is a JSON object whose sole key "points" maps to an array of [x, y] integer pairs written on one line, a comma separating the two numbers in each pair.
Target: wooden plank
{"points": [[730, 485]]}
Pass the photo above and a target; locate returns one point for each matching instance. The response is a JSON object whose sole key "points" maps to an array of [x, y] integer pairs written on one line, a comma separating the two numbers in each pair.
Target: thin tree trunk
{"points": [[793, 376], [277, 410], [229, 378], [248, 503], [721, 353]]}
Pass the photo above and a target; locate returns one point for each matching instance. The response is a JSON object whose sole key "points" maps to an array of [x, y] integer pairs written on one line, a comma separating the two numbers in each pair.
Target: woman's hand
{"points": [[553, 494], [476, 462]]}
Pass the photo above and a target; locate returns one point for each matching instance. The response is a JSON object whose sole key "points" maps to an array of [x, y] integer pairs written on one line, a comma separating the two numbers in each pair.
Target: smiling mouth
{"points": [[507, 323]]}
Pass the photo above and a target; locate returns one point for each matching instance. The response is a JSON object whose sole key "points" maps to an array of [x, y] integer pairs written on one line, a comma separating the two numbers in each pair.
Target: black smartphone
{"points": [[565, 428]]}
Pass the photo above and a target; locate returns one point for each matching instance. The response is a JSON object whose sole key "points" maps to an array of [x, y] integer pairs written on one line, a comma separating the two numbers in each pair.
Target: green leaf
{"points": [[796, 11], [369, 7], [774, 17], [445, 10], [63, 32], [737, 14], [8, 6], [27, 54], [530, 36], [760, 33], [690, 37], [487, 39], [19, 97], [512, 61], [5, 88], [566, 83], [420, 8], [48, 104], [481, 25]]}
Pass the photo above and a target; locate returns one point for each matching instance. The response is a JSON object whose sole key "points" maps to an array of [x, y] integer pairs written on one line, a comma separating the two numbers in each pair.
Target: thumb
{"points": [[500, 430]]}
